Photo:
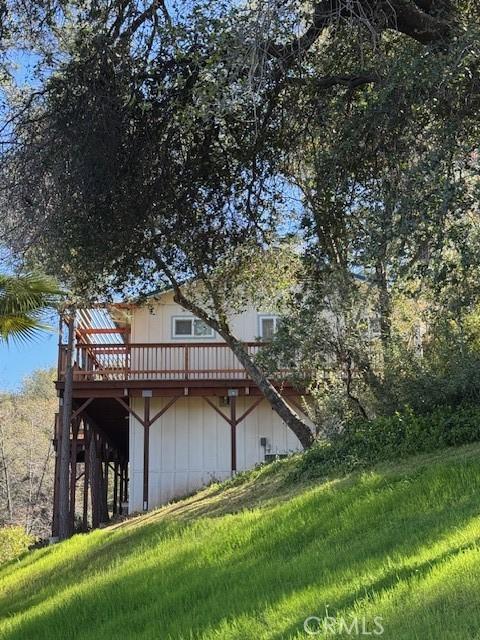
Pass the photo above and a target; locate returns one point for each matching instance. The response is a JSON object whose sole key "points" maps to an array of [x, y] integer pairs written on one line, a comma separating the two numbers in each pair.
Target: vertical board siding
{"points": [[190, 446], [190, 443], [154, 323]]}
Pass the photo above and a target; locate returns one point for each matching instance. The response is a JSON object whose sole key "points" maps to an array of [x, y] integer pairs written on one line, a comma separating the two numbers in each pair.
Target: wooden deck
{"points": [[115, 379], [167, 362]]}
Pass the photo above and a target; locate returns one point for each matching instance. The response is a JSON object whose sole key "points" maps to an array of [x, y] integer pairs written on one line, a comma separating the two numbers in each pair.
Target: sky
{"points": [[19, 360]]}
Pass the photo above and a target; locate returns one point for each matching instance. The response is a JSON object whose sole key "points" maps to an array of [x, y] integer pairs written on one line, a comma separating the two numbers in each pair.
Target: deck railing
{"points": [[165, 361]]}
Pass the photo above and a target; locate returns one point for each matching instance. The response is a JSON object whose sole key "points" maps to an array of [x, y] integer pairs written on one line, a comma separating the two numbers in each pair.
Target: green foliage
{"points": [[250, 276], [26, 453], [14, 541], [23, 301], [252, 562], [40, 384], [446, 372], [364, 443]]}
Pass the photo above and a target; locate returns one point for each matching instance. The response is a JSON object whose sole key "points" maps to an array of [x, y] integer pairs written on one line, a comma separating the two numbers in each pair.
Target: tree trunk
{"points": [[64, 528], [6, 475], [278, 404], [384, 305], [41, 481]]}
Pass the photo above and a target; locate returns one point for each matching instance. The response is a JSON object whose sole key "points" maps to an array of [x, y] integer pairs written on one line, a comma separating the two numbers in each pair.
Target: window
{"points": [[185, 327], [268, 326]]}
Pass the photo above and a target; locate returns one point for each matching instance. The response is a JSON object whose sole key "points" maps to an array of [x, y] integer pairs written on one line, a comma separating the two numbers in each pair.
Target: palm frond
{"points": [[23, 302], [26, 293], [20, 328]]}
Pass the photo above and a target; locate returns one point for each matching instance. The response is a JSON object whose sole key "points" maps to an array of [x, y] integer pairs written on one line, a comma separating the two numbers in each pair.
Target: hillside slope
{"points": [[254, 559]]}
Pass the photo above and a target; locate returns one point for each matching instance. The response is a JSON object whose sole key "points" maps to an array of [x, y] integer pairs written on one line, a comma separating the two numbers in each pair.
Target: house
{"points": [[161, 406]]}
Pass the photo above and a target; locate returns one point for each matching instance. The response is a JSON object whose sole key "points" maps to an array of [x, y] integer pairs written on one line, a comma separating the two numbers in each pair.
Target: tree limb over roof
{"points": [[418, 19]]}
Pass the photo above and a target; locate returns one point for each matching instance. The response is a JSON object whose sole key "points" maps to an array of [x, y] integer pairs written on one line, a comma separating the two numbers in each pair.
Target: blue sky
{"points": [[19, 360]]}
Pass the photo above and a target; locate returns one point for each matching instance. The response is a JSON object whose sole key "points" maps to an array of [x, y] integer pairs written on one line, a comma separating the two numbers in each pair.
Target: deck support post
{"points": [[121, 497], [126, 482], [233, 430], [115, 488], [64, 521], [57, 435], [95, 480], [123, 484], [146, 450], [106, 475], [233, 421], [103, 478], [73, 471], [146, 423], [86, 477]]}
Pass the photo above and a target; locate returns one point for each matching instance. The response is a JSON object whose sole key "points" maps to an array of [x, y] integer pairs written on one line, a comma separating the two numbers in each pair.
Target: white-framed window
{"points": [[190, 327], [268, 325]]}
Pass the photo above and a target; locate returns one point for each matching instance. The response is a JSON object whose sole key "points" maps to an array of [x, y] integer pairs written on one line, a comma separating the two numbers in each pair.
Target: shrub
{"points": [[363, 443], [447, 373], [13, 542]]}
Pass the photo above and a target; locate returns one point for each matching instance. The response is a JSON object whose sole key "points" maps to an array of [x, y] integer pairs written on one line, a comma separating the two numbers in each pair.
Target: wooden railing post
{"points": [[187, 361], [127, 358], [155, 361]]}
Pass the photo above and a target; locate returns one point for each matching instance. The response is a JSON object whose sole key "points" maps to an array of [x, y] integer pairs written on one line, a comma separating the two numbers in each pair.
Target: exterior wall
{"points": [[153, 323], [190, 446]]}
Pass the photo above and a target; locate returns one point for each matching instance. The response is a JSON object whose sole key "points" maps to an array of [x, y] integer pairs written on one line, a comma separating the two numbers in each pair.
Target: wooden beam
{"points": [[146, 451], [120, 492], [130, 410], [115, 489], [123, 484], [164, 410], [73, 471], [86, 477], [162, 388], [105, 478], [250, 409], [64, 520], [93, 331], [233, 431], [78, 411], [208, 401], [94, 484]]}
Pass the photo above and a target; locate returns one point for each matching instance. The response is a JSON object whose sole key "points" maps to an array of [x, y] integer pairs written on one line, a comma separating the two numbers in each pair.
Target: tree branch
{"points": [[352, 82], [146, 15], [412, 20], [410, 17]]}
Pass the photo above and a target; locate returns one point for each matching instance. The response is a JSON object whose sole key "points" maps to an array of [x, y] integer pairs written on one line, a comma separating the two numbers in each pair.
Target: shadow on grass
{"points": [[188, 576]]}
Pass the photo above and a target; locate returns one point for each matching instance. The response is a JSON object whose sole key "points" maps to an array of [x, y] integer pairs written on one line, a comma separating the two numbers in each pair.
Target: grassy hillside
{"points": [[253, 559]]}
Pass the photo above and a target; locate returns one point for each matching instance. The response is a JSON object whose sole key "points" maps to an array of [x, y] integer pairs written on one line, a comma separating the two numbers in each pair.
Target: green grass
{"points": [[254, 558]]}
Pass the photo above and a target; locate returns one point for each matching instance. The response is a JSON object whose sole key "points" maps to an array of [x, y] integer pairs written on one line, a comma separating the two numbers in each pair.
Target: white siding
{"points": [[190, 446], [153, 323]]}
